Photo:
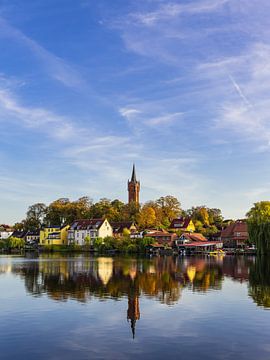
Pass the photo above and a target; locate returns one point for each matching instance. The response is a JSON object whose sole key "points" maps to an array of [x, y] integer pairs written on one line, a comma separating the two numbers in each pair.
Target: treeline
{"points": [[152, 214]]}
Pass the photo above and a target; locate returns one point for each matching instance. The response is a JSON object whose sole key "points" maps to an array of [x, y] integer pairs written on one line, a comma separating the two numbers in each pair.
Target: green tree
{"points": [[35, 216], [258, 219]]}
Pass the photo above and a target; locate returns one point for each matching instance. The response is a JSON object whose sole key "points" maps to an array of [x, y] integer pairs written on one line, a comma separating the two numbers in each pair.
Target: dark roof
{"points": [[180, 223], [19, 234], [87, 224], [33, 233], [119, 226]]}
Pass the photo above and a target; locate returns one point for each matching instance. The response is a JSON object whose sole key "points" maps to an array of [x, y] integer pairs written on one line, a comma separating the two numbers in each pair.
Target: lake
{"points": [[82, 307]]}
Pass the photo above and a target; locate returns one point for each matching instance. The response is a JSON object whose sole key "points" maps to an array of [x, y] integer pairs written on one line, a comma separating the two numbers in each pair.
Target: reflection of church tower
{"points": [[133, 188], [133, 312]]}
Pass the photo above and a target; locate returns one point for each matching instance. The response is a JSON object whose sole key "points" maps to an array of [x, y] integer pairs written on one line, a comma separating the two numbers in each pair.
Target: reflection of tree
{"points": [[83, 278], [259, 281]]}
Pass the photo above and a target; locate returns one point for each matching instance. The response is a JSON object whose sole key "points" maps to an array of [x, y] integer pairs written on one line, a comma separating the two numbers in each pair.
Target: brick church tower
{"points": [[133, 188]]}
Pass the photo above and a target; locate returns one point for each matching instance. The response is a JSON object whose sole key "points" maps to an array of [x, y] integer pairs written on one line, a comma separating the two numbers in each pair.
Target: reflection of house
{"points": [[105, 269], [54, 235], [235, 235], [194, 242], [162, 237], [92, 228], [5, 232], [183, 224], [119, 227]]}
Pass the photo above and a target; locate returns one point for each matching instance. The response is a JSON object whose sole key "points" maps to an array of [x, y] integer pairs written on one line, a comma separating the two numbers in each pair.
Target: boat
{"points": [[217, 253]]}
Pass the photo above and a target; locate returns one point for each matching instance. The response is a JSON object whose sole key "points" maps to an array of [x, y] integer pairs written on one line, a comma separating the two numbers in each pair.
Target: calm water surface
{"points": [[81, 307]]}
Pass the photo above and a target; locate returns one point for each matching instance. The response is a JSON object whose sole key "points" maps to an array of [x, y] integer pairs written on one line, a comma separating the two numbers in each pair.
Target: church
{"points": [[133, 188]]}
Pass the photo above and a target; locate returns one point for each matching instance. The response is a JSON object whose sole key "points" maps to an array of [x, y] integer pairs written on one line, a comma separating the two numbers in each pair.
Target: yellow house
{"points": [[183, 224], [54, 235]]}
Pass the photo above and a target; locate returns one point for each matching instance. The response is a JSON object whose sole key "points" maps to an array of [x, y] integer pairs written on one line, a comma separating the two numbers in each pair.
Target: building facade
{"points": [[133, 188], [90, 228], [54, 235]]}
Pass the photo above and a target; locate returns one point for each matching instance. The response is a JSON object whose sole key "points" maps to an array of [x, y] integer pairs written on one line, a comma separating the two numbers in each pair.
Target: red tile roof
{"points": [[194, 237]]}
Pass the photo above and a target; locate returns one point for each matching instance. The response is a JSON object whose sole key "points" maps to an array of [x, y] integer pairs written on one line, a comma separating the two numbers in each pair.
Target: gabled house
{"points": [[5, 231], [92, 228], [32, 237], [195, 242], [183, 224], [119, 227], [161, 237], [19, 234], [235, 235], [54, 235]]}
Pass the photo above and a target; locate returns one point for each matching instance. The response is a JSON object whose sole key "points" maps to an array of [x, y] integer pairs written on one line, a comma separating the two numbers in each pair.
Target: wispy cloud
{"points": [[172, 10], [57, 68], [137, 117]]}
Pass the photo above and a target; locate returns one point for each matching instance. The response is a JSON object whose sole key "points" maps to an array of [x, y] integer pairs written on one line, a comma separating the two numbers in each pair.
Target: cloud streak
{"points": [[57, 68]]}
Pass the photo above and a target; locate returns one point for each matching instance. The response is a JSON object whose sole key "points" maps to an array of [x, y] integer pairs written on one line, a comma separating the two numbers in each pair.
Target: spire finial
{"points": [[133, 177]]}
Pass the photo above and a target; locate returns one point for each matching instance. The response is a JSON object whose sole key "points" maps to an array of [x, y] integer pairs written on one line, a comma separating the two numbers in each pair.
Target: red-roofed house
{"points": [[235, 235], [195, 242], [183, 224], [162, 237]]}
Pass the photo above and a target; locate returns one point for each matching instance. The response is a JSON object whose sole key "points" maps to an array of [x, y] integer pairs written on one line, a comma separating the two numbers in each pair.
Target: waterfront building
{"points": [[5, 231], [183, 224], [92, 228], [120, 226], [162, 237], [133, 188], [235, 235], [32, 237], [54, 235], [195, 242]]}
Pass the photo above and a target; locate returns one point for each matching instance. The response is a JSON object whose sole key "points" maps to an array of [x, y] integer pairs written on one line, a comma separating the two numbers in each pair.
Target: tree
{"points": [[16, 243], [170, 208], [147, 217], [35, 216], [258, 219]]}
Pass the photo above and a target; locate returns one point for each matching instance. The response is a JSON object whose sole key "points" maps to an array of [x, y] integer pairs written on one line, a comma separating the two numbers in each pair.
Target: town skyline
{"points": [[180, 88]]}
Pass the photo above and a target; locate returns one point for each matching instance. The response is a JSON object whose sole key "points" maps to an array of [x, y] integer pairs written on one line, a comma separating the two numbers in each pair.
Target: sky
{"points": [[89, 87]]}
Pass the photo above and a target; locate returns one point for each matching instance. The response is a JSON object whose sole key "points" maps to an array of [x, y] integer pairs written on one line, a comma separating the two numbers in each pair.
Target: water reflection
{"points": [[82, 278], [259, 282]]}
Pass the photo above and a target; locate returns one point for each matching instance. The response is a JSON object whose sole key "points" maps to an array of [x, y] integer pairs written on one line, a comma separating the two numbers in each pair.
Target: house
{"points": [[32, 237], [118, 227], [92, 228], [19, 234], [235, 235], [54, 235], [161, 237], [5, 231], [195, 242], [183, 224]]}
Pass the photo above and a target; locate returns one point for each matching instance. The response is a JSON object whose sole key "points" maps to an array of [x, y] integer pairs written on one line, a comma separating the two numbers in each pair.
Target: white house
{"points": [[5, 232], [92, 228]]}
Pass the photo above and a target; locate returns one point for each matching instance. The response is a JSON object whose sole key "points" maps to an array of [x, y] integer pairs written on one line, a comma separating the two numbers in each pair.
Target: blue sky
{"points": [[88, 87]]}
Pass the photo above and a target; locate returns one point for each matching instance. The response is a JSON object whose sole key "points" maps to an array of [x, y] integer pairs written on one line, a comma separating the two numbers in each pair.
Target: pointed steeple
{"points": [[133, 177], [133, 188]]}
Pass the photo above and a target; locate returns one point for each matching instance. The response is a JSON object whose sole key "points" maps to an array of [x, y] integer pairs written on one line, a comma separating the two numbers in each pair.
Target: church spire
{"points": [[133, 188], [133, 177]]}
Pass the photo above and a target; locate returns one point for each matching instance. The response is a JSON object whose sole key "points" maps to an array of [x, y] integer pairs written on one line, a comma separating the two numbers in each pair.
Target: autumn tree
{"points": [[147, 217]]}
